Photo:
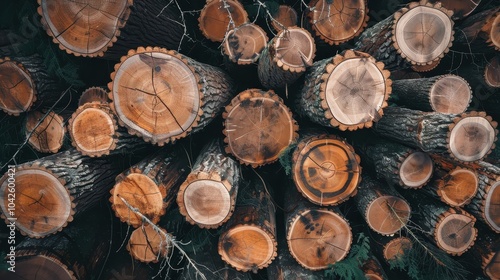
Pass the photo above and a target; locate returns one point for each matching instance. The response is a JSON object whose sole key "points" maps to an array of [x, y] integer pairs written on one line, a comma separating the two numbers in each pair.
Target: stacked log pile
{"points": [[249, 139]]}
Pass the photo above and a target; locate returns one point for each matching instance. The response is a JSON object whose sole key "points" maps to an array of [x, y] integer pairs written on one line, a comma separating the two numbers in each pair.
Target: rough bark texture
{"points": [[485, 204], [485, 254], [480, 32]]}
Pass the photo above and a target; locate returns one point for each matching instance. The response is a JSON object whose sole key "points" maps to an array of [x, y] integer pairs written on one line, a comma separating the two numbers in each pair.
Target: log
{"points": [[396, 248], [248, 241], [492, 72], [485, 204], [93, 94], [46, 131], [243, 44], [325, 169], [446, 94], [24, 80], [419, 34], [208, 196], [183, 93], [460, 8], [384, 210], [348, 91], [337, 22], [147, 245], [286, 57], [258, 126], [51, 190], [150, 186], [467, 137], [110, 29], [285, 267], [220, 16], [373, 269], [94, 131], [480, 32], [317, 237], [285, 17], [485, 254]]}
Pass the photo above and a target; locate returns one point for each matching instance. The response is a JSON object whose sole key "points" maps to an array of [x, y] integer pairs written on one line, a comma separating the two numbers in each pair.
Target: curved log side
{"points": [[460, 8], [480, 32], [485, 254], [485, 204]]}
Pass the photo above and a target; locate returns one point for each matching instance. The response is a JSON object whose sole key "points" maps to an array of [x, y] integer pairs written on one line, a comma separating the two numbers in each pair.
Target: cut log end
{"points": [[416, 170], [147, 245], [494, 27], [84, 28], [258, 127], [244, 44], [293, 49], [396, 248], [218, 17], [458, 187], [140, 192], [46, 136], [336, 22], [285, 17], [93, 94], [423, 33], [17, 91], [451, 94], [319, 238], [247, 248], [455, 232], [44, 267], [326, 170], [491, 266], [41, 197], [387, 214], [492, 72], [491, 206]]}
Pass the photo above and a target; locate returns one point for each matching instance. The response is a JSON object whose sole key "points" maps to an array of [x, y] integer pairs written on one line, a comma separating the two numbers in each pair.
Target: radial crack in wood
{"points": [[46, 136], [244, 43], [17, 91], [147, 245]]}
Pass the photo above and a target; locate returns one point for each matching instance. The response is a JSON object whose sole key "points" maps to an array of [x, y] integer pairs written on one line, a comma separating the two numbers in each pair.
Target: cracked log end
{"points": [[17, 91], [44, 267], [416, 170], [215, 18], [396, 248], [48, 137], [458, 187], [293, 49], [285, 17], [318, 238], [492, 72], [244, 43], [40, 196], [455, 232], [86, 28], [326, 170], [93, 94], [147, 245], [451, 94], [336, 22], [387, 214]]}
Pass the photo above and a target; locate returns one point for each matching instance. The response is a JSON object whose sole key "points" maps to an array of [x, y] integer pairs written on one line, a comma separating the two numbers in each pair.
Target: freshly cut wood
{"points": [[480, 30], [325, 169], [336, 22], [485, 205], [446, 94], [397, 164], [460, 8], [162, 96], [53, 189], [285, 267], [492, 72], [244, 43], [286, 57], [93, 94], [248, 242], [46, 131], [348, 91], [208, 196], [258, 127], [94, 131], [456, 187], [285, 17], [467, 137], [24, 80], [396, 248], [220, 16], [419, 34], [384, 210], [485, 254], [373, 269], [149, 186], [317, 237], [147, 245], [110, 28]]}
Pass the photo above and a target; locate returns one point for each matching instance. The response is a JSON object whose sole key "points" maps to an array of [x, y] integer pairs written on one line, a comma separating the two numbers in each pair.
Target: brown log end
{"points": [[336, 22], [416, 170], [491, 265], [17, 91], [455, 232], [492, 72], [326, 170], [492, 27], [247, 247], [153, 84], [258, 127], [93, 129], [354, 90], [472, 136], [147, 245], [82, 28], [460, 8], [318, 238], [44, 206], [396, 248], [219, 16], [204, 199], [45, 136], [373, 270], [140, 192], [293, 49], [491, 206], [93, 94], [44, 267], [451, 94], [244, 43], [284, 18], [458, 187], [423, 32], [387, 214]]}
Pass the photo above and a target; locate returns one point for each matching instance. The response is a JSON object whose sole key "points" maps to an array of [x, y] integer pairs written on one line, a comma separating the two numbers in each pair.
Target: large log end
{"points": [[387, 214], [455, 232], [17, 89], [219, 16], [451, 94], [458, 187], [416, 170]]}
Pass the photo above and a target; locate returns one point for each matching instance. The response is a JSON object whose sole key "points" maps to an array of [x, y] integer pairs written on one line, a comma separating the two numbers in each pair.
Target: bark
{"points": [[484, 205], [485, 254], [479, 32]]}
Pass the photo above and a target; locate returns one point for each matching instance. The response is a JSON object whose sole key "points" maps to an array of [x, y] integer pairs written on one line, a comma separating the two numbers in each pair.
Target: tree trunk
{"points": [[480, 32], [243, 44], [446, 94], [258, 126], [208, 196], [383, 209], [220, 16], [336, 95], [147, 245], [185, 94], [49, 191], [93, 94], [485, 204], [485, 254], [286, 57], [46, 131], [150, 186]]}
